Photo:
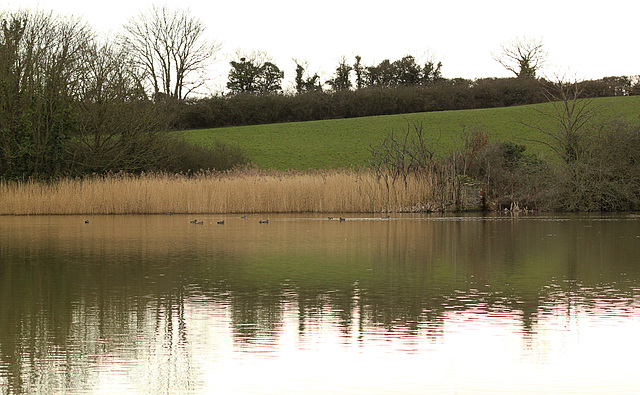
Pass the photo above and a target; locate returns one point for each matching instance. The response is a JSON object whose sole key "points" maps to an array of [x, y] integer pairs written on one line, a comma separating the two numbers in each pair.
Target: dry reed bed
{"points": [[236, 192]]}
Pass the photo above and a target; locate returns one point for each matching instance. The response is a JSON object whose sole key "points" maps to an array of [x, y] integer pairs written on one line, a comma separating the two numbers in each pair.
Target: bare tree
{"points": [[572, 119], [170, 47], [524, 57]]}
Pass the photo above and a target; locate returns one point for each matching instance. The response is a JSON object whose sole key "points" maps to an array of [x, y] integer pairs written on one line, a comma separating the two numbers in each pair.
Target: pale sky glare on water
{"points": [[584, 40]]}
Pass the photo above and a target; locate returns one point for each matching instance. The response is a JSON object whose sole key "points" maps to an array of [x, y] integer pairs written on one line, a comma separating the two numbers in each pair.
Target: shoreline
{"points": [[246, 192]]}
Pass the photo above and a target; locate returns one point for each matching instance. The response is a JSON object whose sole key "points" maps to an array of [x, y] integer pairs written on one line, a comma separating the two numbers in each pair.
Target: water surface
{"points": [[410, 304]]}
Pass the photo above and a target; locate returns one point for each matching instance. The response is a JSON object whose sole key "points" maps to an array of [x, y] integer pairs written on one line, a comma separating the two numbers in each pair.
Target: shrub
{"points": [[248, 109], [187, 158], [452, 94], [511, 175], [606, 177]]}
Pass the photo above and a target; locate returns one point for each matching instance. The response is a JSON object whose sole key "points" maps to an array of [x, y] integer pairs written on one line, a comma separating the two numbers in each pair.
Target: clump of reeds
{"points": [[240, 191]]}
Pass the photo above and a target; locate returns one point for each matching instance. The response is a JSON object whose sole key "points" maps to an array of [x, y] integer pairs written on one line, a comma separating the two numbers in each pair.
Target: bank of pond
{"points": [[269, 191], [249, 191]]}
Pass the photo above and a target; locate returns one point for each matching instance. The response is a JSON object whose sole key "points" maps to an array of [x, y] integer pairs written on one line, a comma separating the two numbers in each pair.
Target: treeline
{"points": [[445, 94], [72, 105]]}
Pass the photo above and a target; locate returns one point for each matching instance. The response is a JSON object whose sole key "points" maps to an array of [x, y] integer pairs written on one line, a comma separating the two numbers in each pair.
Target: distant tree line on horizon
{"points": [[73, 104], [445, 94]]}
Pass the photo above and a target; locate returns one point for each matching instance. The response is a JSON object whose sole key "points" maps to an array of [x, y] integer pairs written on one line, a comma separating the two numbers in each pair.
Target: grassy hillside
{"points": [[346, 142]]}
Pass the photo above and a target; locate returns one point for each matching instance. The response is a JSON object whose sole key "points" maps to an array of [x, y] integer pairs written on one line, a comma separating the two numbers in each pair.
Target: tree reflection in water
{"points": [[139, 305]]}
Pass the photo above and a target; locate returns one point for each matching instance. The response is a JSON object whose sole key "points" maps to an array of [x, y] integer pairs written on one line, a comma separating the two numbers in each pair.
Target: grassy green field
{"points": [[346, 142]]}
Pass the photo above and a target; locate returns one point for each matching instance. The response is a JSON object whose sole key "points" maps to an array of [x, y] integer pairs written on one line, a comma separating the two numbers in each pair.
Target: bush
{"points": [[606, 177], [458, 94], [188, 158], [512, 176]]}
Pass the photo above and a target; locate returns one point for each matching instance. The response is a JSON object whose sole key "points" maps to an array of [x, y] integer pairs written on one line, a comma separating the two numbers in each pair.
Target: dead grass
{"points": [[246, 191]]}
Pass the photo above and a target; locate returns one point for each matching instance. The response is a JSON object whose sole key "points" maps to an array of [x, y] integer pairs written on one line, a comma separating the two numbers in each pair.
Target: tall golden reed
{"points": [[248, 191]]}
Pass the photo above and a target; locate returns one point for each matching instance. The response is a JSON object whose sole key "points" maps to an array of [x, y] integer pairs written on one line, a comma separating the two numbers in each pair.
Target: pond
{"points": [[458, 304]]}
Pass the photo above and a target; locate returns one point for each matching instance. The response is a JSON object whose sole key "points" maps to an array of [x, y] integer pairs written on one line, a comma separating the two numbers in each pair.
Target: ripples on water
{"points": [[414, 304]]}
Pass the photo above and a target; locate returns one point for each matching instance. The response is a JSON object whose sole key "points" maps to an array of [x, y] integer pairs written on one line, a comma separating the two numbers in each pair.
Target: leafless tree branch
{"points": [[171, 49]]}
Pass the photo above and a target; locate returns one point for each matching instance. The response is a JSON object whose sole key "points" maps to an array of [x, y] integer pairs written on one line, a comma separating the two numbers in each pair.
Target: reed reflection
{"points": [[145, 293]]}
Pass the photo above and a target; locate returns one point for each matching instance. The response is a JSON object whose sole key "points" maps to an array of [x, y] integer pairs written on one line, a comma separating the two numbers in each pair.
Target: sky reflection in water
{"points": [[151, 304]]}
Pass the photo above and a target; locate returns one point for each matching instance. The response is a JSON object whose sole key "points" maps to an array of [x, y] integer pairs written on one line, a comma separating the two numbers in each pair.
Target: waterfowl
{"points": [[264, 221], [86, 221], [342, 219], [193, 221], [243, 217], [330, 218], [220, 222]]}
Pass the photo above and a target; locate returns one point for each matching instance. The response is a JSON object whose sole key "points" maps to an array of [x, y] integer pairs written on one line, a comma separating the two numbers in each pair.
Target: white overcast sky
{"points": [[585, 39]]}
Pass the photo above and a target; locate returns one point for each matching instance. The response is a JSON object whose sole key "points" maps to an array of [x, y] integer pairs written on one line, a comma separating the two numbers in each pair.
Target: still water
{"points": [[411, 304]]}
